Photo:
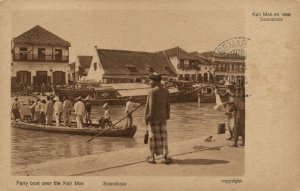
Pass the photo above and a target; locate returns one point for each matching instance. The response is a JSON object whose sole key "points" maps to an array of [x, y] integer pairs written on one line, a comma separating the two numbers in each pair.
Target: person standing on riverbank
{"points": [[239, 108], [49, 111], [130, 105], [79, 112], [57, 107], [157, 112]]}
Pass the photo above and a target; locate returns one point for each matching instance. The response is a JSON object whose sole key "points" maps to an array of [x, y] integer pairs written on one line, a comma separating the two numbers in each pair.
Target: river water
{"points": [[188, 120]]}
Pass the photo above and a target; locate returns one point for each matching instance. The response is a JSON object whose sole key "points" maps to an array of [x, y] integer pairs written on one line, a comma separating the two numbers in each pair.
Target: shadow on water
{"points": [[198, 161]]}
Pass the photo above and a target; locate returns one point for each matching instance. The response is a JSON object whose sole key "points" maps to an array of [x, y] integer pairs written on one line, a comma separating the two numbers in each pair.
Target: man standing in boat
{"points": [[130, 105], [49, 111], [157, 113], [57, 107], [79, 112], [67, 109]]}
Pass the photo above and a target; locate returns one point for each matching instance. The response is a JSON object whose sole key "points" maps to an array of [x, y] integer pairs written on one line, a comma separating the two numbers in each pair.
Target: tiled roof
{"points": [[85, 61], [39, 35], [201, 58], [135, 63], [179, 53]]}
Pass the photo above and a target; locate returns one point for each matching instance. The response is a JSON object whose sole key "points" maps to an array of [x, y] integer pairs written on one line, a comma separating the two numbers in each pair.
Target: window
{"points": [[58, 54], [187, 77], [58, 77], [23, 53], [95, 66], [181, 64], [180, 77], [194, 77], [41, 54]]}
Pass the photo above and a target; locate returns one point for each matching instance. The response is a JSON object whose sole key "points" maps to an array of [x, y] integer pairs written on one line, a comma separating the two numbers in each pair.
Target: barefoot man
{"points": [[157, 113]]}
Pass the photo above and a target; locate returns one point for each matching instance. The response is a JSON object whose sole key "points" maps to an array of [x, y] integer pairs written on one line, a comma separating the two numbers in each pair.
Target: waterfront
{"points": [[188, 121]]}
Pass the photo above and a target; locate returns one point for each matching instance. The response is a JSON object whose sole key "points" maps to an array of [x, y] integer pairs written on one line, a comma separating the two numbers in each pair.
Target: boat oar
{"points": [[113, 124]]}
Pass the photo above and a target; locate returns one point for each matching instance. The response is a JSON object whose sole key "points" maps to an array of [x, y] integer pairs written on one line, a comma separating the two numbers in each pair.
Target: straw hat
{"points": [[105, 106], [56, 99]]}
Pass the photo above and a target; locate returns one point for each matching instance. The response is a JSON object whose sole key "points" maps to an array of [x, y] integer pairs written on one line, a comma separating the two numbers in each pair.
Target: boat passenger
{"points": [[32, 109], [49, 111], [88, 109], [37, 111], [15, 109], [57, 107], [79, 112], [67, 109], [43, 111], [106, 121], [130, 105]]}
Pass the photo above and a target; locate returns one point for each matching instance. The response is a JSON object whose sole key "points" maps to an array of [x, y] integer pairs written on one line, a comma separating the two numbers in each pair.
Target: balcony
{"points": [[40, 58]]}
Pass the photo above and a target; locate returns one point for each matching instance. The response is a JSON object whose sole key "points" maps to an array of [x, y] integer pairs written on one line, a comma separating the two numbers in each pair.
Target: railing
{"points": [[40, 58], [228, 70]]}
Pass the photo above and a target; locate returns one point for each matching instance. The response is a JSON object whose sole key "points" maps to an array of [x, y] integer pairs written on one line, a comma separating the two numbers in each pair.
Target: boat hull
{"points": [[90, 131]]}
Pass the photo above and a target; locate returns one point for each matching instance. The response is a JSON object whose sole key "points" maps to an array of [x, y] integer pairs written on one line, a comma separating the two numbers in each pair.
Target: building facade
{"points": [[230, 68], [39, 57], [122, 66], [190, 66]]}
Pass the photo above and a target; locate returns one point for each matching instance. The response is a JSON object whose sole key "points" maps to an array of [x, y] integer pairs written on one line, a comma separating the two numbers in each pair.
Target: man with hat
{"points": [[57, 107], [130, 105], [157, 112], [79, 112], [106, 120]]}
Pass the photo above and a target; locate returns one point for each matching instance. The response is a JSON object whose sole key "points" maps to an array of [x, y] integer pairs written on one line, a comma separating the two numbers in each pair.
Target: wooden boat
{"points": [[91, 130]]}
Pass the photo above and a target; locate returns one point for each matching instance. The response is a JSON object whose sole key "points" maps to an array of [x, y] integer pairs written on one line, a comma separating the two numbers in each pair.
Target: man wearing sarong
{"points": [[157, 113]]}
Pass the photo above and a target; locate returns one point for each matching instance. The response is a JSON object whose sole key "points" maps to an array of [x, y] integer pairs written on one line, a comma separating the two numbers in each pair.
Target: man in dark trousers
{"points": [[157, 113]]}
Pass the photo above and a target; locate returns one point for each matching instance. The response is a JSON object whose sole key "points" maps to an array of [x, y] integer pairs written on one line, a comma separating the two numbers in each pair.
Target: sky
{"points": [[135, 28]]}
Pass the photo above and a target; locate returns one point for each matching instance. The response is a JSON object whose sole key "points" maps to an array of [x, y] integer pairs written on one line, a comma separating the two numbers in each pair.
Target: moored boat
{"points": [[91, 130]]}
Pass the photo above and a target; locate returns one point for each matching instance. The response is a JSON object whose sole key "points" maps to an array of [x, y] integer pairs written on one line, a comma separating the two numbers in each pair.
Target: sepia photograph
{"points": [[124, 92]]}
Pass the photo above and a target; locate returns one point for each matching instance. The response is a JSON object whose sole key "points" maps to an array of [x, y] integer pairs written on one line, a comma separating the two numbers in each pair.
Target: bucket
{"points": [[221, 128]]}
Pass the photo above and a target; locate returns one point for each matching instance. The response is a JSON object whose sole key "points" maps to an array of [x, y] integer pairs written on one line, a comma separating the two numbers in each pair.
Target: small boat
{"points": [[91, 130]]}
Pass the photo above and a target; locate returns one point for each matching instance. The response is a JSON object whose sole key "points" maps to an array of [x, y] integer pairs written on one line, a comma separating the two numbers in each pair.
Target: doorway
{"points": [[41, 77]]}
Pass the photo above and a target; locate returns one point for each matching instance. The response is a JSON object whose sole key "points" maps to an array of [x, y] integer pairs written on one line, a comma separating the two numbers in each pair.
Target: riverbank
{"points": [[194, 157]]}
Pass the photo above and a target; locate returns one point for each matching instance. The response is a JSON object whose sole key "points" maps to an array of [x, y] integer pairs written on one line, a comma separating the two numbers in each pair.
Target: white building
{"points": [[39, 56], [190, 67], [123, 66]]}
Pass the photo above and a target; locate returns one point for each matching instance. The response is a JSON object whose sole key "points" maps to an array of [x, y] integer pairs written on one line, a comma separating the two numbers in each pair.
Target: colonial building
{"points": [[117, 66], [190, 67], [78, 70], [39, 57], [230, 67]]}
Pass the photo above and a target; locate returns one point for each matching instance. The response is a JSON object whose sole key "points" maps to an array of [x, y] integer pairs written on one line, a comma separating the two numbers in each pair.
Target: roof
{"points": [[85, 61], [179, 53], [39, 35], [134, 62]]}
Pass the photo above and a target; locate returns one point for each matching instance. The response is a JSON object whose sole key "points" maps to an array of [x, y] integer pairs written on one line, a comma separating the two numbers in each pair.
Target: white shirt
{"points": [[106, 114], [57, 107], [130, 106], [79, 108]]}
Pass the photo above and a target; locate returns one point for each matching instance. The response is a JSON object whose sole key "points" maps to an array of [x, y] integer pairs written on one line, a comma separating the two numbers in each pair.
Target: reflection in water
{"points": [[188, 120]]}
